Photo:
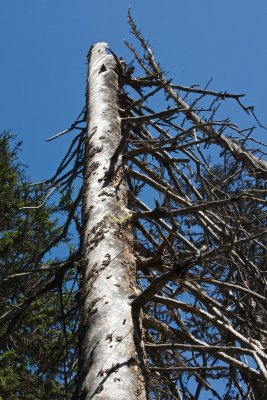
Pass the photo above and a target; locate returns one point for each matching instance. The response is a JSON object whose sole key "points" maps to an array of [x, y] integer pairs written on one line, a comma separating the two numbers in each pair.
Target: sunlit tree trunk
{"points": [[108, 361]]}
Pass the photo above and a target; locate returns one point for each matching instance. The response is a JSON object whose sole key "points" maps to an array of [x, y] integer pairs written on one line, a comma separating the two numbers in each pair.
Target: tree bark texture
{"points": [[108, 360]]}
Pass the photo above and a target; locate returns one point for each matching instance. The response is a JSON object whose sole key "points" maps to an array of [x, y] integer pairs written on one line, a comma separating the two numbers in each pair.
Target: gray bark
{"points": [[108, 360]]}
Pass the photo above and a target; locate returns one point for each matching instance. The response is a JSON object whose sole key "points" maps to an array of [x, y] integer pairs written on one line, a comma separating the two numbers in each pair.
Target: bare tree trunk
{"points": [[108, 361]]}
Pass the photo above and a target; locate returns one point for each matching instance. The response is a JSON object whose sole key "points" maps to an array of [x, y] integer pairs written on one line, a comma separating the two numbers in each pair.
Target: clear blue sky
{"points": [[44, 45]]}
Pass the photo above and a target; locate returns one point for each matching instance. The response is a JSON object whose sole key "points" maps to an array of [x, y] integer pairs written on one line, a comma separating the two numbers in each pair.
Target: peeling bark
{"points": [[109, 367]]}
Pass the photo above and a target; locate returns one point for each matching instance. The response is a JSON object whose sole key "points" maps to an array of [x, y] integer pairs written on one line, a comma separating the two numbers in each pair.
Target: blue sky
{"points": [[44, 45]]}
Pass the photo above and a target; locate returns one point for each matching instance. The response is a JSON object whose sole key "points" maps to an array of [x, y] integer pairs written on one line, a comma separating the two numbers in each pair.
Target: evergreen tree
{"points": [[32, 353]]}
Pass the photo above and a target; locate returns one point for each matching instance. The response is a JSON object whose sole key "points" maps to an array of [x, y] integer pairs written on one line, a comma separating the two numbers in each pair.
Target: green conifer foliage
{"points": [[32, 356]]}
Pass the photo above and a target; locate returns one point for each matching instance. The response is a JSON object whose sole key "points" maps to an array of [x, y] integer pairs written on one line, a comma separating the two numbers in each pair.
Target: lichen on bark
{"points": [[108, 360]]}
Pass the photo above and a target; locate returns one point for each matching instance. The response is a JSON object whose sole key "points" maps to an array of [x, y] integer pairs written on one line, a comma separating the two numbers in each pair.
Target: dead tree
{"points": [[200, 249], [172, 256], [109, 367]]}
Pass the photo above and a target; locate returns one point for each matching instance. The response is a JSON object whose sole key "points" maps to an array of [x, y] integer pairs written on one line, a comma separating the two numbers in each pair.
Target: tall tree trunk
{"points": [[108, 361]]}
